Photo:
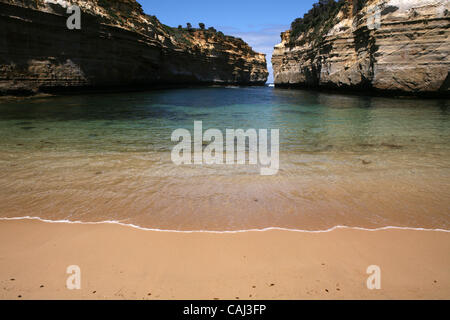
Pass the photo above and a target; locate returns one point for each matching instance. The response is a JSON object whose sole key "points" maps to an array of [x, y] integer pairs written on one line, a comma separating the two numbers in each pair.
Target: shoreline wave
{"points": [[221, 232]]}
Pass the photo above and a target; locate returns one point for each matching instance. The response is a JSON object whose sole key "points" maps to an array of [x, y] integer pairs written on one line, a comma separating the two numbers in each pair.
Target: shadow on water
{"points": [[179, 104]]}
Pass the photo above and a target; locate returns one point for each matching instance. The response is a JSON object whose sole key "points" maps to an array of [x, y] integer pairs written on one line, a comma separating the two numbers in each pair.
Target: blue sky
{"points": [[258, 22]]}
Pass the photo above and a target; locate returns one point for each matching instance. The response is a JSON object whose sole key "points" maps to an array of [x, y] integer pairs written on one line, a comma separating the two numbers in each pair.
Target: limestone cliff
{"points": [[117, 46], [399, 46]]}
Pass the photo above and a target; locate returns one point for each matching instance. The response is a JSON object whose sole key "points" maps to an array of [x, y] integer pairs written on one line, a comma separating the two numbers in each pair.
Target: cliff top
{"points": [[332, 16]]}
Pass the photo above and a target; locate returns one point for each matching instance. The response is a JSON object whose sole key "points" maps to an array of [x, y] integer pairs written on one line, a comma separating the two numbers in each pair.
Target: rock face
{"points": [[117, 46], [398, 46]]}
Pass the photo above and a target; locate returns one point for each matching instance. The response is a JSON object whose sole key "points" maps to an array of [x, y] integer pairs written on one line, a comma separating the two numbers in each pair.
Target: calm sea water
{"points": [[344, 160]]}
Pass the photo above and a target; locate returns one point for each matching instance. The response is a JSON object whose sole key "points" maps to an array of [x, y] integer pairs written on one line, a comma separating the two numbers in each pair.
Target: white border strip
{"points": [[222, 232]]}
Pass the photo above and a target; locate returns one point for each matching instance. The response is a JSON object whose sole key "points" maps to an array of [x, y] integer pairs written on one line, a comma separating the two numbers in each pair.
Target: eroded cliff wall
{"points": [[399, 46], [117, 46]]}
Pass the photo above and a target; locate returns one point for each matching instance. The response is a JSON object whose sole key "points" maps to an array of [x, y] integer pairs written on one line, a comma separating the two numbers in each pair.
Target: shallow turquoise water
{"points": [[106, 157], [142, 121]]}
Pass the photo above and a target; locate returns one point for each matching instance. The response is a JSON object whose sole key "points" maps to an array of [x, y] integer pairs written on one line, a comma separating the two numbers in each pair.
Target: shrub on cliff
{"points": [[360, 4], [319, 19], [201, 25], [179, 34]]}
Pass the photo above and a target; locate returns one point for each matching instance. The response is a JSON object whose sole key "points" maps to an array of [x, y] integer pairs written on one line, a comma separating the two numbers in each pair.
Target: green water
{"points": [[344, 160]]}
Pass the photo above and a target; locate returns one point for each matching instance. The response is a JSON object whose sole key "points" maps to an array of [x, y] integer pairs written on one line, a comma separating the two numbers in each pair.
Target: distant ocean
{"points": [[345, 160]]}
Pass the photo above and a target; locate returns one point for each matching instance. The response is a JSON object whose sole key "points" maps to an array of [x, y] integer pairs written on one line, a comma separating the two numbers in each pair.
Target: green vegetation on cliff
{"points": [[317, 21]]}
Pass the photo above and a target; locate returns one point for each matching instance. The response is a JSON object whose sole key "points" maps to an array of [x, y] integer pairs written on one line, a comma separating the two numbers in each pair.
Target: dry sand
{"points": [[119, 262]]}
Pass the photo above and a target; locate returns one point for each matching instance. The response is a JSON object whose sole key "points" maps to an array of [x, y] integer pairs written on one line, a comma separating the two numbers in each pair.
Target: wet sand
{"points": [[119, 262], [148, 190]]}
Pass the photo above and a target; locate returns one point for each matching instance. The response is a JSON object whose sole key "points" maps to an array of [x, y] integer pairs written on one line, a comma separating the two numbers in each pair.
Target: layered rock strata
{"points": [[397, 46], [117, 46]]}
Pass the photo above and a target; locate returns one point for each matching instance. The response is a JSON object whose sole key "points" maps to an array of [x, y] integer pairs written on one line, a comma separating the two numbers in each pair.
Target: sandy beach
{"points": [[120, 262], [264, 150]]}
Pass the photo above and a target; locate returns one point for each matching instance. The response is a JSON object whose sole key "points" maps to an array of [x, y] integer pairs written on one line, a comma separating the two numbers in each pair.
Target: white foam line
{"points": [[222, 232]]}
